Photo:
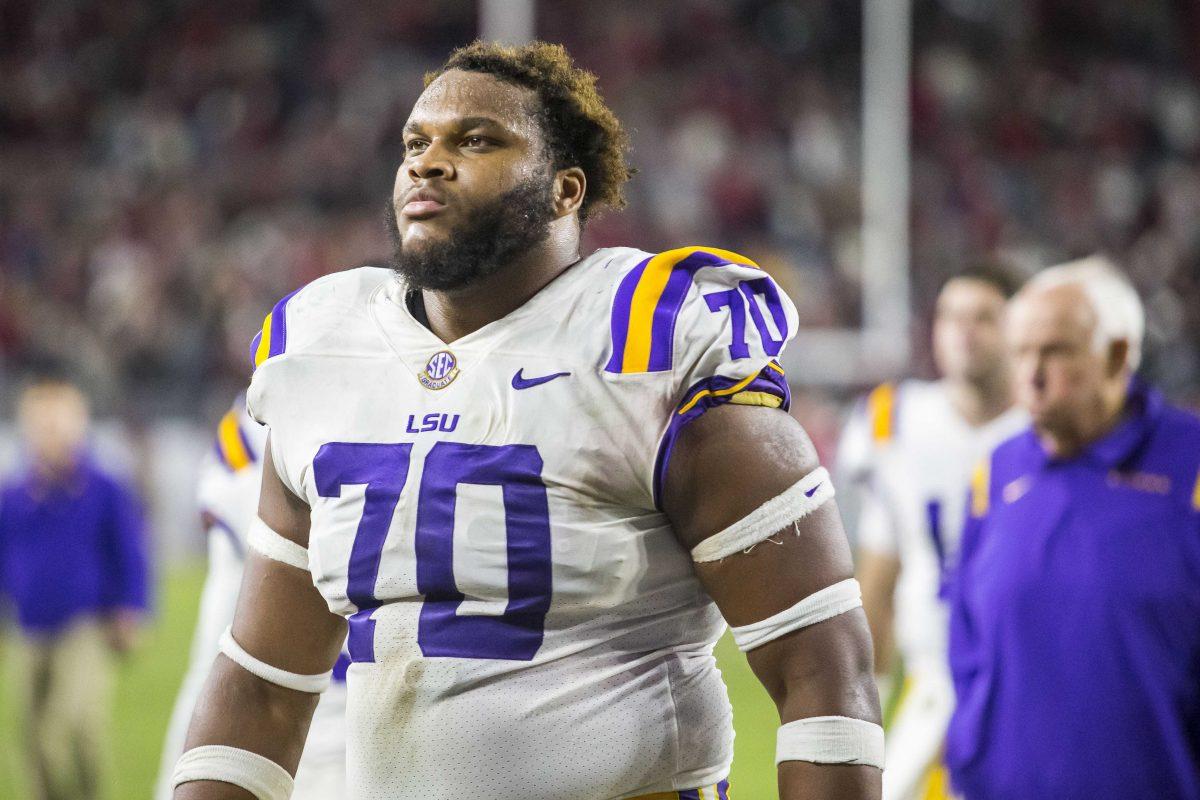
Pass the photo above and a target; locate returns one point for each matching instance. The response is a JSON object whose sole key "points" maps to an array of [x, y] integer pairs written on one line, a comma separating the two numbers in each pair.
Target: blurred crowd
{"points": [[168, 170]]}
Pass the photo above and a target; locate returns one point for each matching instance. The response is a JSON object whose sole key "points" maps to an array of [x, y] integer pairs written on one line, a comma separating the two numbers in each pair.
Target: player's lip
{"points": [[422, 204]]}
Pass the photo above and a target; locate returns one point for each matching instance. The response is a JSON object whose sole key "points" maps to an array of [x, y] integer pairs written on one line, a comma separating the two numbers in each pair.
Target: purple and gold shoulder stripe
{"points": [[272, 339], [647, 304], [234, 450]]}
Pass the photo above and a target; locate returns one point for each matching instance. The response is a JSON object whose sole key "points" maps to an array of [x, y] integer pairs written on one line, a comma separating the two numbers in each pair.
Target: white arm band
{"points": [[313, 684], [831, 740], [805, 497], [817, 607], [258, 775], [266, 541]]}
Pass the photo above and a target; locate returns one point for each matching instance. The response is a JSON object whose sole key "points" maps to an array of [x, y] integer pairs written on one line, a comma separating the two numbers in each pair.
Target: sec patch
{"points": [[440, 370]]}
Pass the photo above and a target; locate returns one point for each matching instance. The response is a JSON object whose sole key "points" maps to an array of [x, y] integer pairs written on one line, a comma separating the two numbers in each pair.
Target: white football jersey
{"points": [[227, 495], [909, 455], [524, 624]]}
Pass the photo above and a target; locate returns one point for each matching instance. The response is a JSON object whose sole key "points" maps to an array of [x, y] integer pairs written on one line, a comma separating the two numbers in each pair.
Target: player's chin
{"points": [[420, 233]]}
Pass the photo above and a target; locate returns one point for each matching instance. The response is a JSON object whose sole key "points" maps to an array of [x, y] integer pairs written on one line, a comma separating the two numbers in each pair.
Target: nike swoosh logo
{"points": [[812, 491], [519, 381]]}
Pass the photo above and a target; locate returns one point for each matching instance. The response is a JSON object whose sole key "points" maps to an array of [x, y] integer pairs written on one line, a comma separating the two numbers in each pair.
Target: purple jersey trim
{"points": [[253, 456], [622, 305], [279, 326], [666, 310], [694, 794], [340, 667], [254, 349], [769, 380], [662, 331], [221, 455]]}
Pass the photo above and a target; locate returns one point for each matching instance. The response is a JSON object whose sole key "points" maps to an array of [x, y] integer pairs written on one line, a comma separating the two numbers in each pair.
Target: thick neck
{"points": [[980, 401], [454, 314]]}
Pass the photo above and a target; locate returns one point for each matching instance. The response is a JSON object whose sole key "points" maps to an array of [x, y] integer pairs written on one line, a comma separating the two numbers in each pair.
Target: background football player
{"points": [[531, 485], [227, 496], [909, 450]]}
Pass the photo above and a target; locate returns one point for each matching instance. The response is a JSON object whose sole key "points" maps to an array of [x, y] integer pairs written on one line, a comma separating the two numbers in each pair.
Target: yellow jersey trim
{"points": [[229, 441], [646, 297], [881, 410], [980, 486]]}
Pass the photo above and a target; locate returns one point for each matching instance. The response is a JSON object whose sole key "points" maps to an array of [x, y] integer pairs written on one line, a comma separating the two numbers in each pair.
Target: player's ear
{"points": [[1118, 357], [570, 186]]}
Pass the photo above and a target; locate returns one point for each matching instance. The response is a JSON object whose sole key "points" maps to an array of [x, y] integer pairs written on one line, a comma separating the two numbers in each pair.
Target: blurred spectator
{"points": [[168, 169], [72, 565], [1074, 647]]}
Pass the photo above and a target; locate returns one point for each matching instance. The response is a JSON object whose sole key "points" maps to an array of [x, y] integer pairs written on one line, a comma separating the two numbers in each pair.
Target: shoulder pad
{"points": [[649, 298], [327, 296]]}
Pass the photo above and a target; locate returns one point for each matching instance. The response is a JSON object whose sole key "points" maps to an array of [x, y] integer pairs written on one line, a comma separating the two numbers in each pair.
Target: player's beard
{"points": [[490, 237]]}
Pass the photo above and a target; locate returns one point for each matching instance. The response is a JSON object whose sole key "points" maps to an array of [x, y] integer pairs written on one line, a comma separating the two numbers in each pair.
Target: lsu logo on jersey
{"points": [[446, 423], [440, 370]]}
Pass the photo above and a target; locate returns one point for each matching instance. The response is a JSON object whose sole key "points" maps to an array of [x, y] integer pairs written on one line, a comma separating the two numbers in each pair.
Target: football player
{"points": [[228, 499], [534, 486], [909, 450]]}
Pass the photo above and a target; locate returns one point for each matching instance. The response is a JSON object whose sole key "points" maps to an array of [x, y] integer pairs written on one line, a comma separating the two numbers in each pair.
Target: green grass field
{"points": [[148, 681]]}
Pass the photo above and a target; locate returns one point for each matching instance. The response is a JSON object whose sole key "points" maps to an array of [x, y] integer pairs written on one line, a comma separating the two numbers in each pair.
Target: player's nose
{"points": [[430, 163]]}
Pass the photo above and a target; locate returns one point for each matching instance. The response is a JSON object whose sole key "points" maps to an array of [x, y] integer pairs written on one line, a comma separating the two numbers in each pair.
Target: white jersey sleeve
{"points": [[713, 324]]}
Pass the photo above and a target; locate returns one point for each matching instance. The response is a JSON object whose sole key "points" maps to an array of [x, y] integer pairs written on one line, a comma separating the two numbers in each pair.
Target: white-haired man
{"points": [[1074, 641]]}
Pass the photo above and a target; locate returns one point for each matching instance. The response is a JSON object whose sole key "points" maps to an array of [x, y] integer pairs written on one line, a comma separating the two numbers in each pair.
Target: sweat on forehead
{"points": [[461, 94]]}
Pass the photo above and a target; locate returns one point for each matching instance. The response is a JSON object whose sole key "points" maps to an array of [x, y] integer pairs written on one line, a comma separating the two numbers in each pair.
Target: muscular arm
{"points": [[281, 619], [724, 465]]}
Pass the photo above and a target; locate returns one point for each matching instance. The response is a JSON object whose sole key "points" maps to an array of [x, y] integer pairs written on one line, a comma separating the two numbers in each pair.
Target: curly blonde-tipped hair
{"points": [[579, 129]]}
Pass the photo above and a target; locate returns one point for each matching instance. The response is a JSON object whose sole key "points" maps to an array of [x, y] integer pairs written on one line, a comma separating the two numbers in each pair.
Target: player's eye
{"points": [[415, 146], [476, 141]]}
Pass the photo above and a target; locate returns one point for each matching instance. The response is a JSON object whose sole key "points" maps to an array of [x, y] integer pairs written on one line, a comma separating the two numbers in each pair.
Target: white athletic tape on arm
{"points": [[258, 775], [313, 684], [266, 541], [818, 606], [805, 497], [831, 740]]}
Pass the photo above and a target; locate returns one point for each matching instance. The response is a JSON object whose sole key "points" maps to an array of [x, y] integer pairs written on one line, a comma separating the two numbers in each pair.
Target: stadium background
{"points": [[169, 169]]}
